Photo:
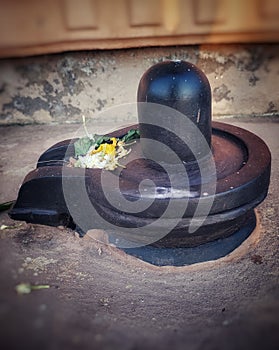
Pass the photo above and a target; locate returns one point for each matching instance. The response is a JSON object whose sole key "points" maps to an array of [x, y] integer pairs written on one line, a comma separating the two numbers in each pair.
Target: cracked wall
{"points": [[61, 88]]}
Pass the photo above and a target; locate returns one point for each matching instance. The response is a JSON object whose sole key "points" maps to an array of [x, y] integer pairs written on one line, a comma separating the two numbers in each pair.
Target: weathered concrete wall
{"points": [[60, 88]]}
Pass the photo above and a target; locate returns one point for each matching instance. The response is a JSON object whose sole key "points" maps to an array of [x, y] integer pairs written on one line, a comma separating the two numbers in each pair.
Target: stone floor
{"points": [[100, 298]]}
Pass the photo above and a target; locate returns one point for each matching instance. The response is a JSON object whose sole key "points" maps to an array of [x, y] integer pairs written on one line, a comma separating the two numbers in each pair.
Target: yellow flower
{"points": [[107, 148]]}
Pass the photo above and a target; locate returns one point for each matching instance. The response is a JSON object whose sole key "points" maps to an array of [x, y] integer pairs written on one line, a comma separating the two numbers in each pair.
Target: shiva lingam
{"points": [[189, 187]]}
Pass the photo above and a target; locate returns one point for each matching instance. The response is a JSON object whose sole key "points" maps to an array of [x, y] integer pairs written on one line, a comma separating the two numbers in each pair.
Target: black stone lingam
{"points": [[195, 183], [182, 86]]}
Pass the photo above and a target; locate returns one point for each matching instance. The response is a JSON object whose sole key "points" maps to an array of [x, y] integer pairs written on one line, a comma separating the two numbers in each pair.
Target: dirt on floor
{"points": [[94, 296]]}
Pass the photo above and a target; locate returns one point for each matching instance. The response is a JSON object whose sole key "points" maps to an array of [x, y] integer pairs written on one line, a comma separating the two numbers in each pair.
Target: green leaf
{"points": [[23, 288], [26, 288], [82, 145], [131, 135], [101, 139], [6, 205], [40, 286], [5, 227]]}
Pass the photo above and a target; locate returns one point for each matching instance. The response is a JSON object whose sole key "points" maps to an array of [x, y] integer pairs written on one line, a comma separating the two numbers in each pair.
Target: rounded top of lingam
{"points": [[183, 87]]}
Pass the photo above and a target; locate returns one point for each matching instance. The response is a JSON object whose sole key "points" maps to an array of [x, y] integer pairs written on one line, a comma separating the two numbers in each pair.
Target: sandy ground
{"points": [[100, 298]]}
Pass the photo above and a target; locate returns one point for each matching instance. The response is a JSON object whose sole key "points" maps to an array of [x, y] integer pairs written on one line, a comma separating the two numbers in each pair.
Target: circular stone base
{"points": [[192, 255]]}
